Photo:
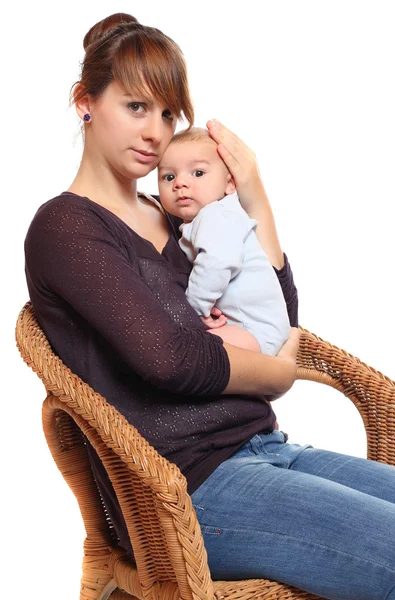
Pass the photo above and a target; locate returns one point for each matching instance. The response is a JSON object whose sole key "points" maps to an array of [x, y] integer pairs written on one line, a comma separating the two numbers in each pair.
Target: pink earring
{"points": [[87, 118]]}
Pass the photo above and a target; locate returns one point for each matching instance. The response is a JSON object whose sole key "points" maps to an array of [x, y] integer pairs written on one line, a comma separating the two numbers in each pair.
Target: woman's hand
{"points": [[242, 164], [289, 350], [288, 353], [253, 373]]}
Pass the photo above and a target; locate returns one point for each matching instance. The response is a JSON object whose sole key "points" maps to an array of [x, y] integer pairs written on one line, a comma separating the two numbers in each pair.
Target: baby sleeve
{"points": [[214, 241]]}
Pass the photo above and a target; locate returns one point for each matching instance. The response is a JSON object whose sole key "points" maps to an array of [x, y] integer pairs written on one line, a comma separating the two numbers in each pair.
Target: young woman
{"points": [[107, 280]]}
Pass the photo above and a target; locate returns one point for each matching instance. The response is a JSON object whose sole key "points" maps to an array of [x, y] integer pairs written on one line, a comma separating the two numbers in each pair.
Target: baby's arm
{"points": [[217, 236]]}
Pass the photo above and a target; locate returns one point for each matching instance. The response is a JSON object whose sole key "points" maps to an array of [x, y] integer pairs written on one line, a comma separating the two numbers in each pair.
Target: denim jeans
{"points": [[321, 521]]}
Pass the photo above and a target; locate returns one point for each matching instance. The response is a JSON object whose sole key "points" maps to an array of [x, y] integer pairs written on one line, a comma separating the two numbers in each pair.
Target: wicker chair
{"points": [[170, 557]]}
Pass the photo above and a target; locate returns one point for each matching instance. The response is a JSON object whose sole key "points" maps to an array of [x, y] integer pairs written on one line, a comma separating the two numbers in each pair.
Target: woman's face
{"points": [[128, 133]]}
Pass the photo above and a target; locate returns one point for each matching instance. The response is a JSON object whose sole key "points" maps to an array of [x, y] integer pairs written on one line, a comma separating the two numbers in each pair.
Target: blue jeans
{"points": [[314, 519]]}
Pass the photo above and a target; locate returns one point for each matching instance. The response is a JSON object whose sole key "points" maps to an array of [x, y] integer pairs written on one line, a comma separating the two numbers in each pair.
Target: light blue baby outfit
{"points": [[231, 271]]}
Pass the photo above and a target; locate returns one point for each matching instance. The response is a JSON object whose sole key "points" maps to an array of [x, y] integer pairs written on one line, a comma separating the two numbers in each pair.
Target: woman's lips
{"points": [[144, 157]]}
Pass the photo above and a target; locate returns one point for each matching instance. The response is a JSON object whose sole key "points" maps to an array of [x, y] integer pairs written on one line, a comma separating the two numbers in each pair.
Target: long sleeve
{"points": [[78, 253], [285, 277], [214, 241]]}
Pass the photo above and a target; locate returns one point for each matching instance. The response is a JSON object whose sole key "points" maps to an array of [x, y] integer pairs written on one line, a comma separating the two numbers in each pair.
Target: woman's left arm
{"points": [[241, 162]]}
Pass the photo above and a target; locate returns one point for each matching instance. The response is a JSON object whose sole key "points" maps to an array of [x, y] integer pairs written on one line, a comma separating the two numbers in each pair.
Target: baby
{"points": [[231, 273]]}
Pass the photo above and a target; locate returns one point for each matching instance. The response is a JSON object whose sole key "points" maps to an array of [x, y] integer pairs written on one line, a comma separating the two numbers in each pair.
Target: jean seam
{"points": [[390, 592], [315, 544], [318, 473], [262, 449]]}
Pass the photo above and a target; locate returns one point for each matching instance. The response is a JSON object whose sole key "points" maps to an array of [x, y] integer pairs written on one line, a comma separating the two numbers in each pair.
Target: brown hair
{"points": [[139, 57]]}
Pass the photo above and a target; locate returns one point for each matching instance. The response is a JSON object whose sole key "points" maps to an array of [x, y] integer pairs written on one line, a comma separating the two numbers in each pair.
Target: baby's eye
{"points": [[198, 173], [168, 177]]}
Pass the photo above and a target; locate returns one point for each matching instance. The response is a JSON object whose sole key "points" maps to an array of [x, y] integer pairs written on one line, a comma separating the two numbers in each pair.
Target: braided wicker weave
{"points": [[170, 557]]}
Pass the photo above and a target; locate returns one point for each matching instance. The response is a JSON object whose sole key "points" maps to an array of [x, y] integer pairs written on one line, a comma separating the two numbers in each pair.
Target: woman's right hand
{"points": [[288, 353], [289, 349], [256, 374]]}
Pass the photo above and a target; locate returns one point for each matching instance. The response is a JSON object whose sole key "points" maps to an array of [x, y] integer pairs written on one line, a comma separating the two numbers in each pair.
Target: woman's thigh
{"points": [[368, 476], [262, 518]]}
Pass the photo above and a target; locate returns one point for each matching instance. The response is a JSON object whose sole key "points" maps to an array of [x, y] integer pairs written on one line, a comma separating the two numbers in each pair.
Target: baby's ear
{"points": [[230, 184]]}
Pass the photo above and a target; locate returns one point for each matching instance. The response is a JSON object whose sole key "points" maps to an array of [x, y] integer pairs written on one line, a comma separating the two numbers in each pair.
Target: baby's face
{"points": [[191, 175]]}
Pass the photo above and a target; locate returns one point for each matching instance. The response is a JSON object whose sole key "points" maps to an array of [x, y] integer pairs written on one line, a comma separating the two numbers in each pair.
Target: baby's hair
{"points": [[191, 134], [194, 134], [141, 58]]}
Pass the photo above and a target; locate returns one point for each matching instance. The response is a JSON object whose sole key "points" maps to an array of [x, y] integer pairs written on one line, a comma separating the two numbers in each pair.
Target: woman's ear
{"points": [[83, 105], [230, 184]]}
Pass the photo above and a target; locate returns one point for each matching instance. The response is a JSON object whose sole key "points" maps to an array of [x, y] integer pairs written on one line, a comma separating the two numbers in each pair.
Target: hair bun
{"points": [[108, 24]]}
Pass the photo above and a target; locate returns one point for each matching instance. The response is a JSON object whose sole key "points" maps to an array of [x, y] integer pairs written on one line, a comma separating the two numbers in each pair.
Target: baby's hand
{"points": [[219, 321]]}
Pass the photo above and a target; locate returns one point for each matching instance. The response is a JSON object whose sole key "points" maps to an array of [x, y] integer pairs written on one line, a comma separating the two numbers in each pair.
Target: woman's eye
{"points": [[137, 107], [168, 177], [198, 173], [167, 114]]}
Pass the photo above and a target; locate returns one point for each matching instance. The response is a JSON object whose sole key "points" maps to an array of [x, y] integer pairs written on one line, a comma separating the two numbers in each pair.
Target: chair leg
{"points": [[97, 582]]}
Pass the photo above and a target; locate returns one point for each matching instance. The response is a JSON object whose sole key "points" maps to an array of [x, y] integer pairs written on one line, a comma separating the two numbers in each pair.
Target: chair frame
{"points": [[170, 560]]}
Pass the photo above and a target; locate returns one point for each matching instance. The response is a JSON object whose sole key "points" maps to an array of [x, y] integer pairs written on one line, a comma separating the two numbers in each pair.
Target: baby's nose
{"points": [[180, 181]]}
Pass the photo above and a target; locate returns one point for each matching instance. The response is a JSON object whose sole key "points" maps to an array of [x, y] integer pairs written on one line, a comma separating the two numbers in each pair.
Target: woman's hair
{"points": [[140, 58]]}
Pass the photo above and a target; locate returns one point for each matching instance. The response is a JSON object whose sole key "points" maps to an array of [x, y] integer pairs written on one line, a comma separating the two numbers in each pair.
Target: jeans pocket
{"points": [[205, 529], [208, 530]]}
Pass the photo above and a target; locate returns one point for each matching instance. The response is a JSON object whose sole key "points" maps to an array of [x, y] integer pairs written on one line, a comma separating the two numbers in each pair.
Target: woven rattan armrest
{"points": [[372, 393]]}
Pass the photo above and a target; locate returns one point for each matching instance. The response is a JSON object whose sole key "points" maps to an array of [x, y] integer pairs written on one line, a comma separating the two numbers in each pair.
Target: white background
{"points": [[310, 86]]}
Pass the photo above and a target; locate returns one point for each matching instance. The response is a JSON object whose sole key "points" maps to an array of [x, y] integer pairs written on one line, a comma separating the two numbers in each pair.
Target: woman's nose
{"points": [[153, 128]]}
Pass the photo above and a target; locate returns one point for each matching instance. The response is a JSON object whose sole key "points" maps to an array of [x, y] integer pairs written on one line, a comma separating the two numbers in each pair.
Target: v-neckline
{"points": [[147, 197]]}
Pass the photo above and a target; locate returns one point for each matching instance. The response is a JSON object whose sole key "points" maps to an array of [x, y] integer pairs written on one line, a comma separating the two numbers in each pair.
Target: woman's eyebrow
{"points": [[138, 96]]}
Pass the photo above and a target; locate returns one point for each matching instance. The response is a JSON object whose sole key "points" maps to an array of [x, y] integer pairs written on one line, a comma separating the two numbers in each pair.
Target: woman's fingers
{"points": [[219, 132], [222, 135], [290, 348], [230, 161], [238, 157]]}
